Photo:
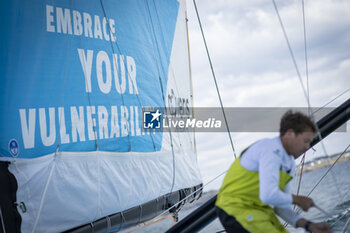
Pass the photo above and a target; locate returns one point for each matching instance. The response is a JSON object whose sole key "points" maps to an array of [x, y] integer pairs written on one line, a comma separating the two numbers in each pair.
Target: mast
{"points": [[190, 72]]}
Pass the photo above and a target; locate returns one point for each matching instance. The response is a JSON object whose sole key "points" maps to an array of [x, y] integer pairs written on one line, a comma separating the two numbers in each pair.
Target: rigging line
{"points": [[182, 200], [346, 226], [88, 93], [299, 184], [98, 189], [341, 195], [161, 64], [342, 216], [170, 63], [291, 52], [329, 170], [306, 58], [323, 211], [301, 173], [302, 85], [63, 91], [151, 223], [116, 65], [194, 192], [324, 175], [90, 105], [54, 161], [301, 165], [53, 166], [293, 57], [166, 45], [191, 80], [163, 96], [128, 75], [216, 85], [338, 96], [171, 142]]}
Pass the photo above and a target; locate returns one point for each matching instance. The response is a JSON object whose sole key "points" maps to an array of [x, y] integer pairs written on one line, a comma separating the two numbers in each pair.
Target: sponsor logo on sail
{"points": [[13, 147]]}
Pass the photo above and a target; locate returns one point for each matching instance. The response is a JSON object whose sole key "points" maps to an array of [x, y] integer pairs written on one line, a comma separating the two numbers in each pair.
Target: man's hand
{"points": [[315, 227], [320, 227], [303, 202]]}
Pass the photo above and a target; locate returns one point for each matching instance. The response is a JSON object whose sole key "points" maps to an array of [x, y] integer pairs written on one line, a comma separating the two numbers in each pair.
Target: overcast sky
{"points": [[254, 67]]}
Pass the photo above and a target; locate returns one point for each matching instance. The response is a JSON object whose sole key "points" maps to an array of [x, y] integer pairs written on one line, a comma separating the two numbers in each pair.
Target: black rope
{"points": [[216, 85]]}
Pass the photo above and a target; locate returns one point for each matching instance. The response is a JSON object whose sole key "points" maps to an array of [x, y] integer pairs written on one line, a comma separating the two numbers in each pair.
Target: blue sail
{"points": [[75, 76]]}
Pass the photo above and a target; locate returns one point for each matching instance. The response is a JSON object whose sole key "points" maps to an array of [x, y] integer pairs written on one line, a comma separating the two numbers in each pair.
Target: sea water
{"points": [[332, 195]]}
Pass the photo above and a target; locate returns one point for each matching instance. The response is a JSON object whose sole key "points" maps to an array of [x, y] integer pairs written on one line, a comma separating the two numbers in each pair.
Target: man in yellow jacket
{"points": [[256, 187]]}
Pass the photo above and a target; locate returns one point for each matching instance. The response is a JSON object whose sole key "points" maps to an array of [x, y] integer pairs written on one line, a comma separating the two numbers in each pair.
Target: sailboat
{"points": [[77, 82], [78, 79]]}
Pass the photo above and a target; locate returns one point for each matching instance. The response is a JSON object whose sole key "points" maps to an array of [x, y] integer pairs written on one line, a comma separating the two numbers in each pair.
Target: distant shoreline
{"points": [[323, 162]]}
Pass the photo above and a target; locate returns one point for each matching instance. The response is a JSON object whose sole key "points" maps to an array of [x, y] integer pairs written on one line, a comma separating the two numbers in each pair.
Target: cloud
{"points": [[252, 42]]}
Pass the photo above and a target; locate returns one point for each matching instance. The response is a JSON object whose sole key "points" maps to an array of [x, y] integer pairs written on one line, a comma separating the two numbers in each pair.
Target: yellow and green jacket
{"points": [[239, 197]]}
